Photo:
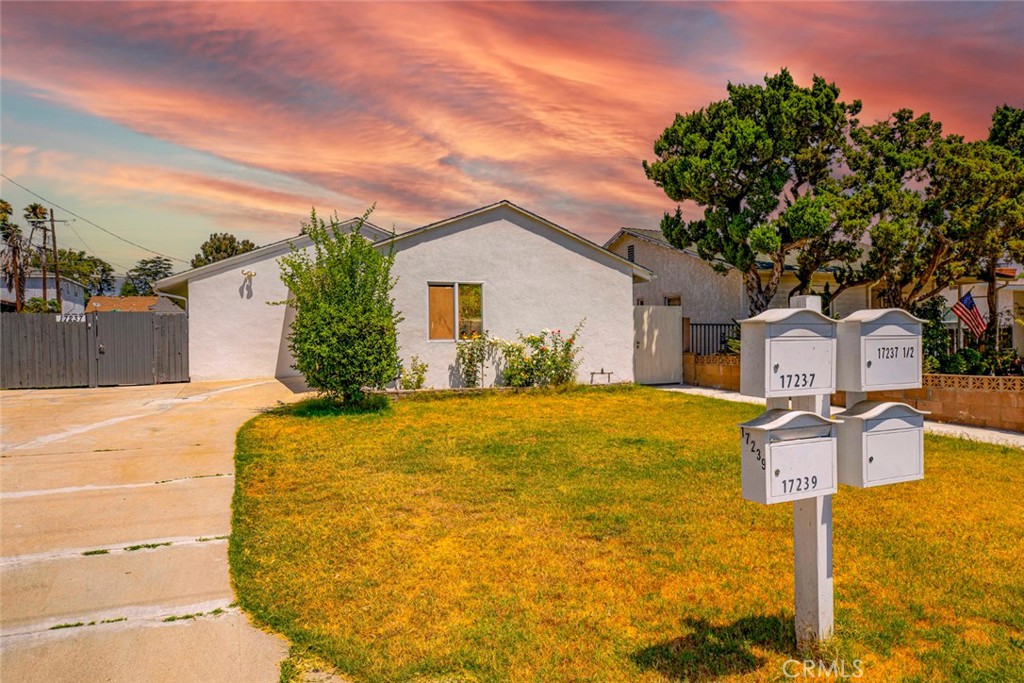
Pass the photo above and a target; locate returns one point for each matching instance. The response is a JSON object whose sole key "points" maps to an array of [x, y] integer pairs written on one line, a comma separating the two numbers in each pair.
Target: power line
{"points": [[82, 218], [90, 249]]}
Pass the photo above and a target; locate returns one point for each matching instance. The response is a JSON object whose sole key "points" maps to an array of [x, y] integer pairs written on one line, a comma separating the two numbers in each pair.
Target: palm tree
{"points": [[12, 256]]}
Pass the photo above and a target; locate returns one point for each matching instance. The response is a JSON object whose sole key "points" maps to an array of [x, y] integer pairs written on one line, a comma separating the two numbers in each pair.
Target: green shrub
{"points": [[343, 338], [38, 305], [545, 359], [415, 377]]}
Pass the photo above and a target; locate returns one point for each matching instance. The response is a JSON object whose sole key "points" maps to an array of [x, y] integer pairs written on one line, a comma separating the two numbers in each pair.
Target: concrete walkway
{"points": [[116, 506], [995, 436]]}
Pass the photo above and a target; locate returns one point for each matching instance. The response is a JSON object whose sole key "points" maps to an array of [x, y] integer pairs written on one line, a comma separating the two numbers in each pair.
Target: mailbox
{"points": [[879, 349], [880, 443], [788, 455], [787, 352]]}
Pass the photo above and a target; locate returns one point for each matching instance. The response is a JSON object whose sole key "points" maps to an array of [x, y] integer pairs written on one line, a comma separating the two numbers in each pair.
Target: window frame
{"points": [[454, 284]]}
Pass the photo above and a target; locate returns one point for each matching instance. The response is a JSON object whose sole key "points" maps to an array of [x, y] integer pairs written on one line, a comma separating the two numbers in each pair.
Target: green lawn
{"points": [[599, 535]]}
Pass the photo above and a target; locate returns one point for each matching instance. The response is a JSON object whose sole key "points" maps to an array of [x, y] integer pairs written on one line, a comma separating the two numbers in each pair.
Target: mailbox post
{"points": [[796, 358]]}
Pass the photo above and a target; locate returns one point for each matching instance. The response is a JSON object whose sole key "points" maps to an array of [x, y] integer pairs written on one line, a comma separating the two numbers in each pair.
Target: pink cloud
{"points": [[434, 108]]}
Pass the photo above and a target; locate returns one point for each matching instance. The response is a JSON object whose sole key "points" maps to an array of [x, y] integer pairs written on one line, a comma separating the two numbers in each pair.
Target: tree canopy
{"points": [[92, 272], [760, 163], [219, 246], [788, 176], [139, 280]]}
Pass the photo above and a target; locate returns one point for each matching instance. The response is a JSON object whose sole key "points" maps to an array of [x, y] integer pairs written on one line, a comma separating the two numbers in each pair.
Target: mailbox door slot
{"points": [[893, 455], [802, 469], [891, 361], [800, 366]]}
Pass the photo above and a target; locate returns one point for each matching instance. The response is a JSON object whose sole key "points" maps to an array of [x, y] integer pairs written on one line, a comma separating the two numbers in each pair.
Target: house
{"points": [[683, 278], [72, 293], [513, 271], [133, 304], [1009, 303]]}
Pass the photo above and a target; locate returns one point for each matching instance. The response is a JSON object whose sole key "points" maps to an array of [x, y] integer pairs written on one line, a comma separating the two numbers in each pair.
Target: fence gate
{"points": [[658, 344], [41, 350]]}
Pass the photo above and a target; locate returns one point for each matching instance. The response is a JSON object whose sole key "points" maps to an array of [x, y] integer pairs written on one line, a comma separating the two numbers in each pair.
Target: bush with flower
{"points": [[549, 358]]}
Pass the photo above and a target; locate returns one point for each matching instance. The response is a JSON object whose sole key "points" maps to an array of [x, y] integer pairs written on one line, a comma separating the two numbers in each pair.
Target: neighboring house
{"points": [[1009, 302], [682, 278], [72, 294], [528, 274], [133, 304]]}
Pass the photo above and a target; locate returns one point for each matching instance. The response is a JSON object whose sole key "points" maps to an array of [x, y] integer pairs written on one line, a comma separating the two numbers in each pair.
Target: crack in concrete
{"points": [[107, 550], [107, 487], [118, 617]]}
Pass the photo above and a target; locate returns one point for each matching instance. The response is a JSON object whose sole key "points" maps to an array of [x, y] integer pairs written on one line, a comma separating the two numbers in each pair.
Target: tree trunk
{"points": [[759, 294], [756, 300], [992, 297]]}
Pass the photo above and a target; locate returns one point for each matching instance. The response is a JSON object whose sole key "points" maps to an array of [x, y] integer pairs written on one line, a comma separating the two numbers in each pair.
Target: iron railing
{"points": [[710, 338]]}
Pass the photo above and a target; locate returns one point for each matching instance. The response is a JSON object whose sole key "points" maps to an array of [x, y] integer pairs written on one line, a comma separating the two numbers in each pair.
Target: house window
{"points": [[631, 253], [639, 302], [442, 311], [455, 307], [673, 301]]}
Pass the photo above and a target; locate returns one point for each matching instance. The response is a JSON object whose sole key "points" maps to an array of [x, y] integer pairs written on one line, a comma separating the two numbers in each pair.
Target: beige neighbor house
{"points": [[682, 278], [499, 268]]}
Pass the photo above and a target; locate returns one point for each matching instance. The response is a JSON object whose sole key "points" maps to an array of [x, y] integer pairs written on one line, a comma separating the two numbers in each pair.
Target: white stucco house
{"points": [[529, 274]]}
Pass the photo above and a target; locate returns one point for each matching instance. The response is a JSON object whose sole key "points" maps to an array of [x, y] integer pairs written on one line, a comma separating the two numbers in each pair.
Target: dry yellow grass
{"points": [[599, 535]]}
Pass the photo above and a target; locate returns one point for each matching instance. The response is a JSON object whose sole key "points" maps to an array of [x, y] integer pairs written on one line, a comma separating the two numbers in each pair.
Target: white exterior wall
{"points": [[533, 278], [233, 332], [705, 296]]}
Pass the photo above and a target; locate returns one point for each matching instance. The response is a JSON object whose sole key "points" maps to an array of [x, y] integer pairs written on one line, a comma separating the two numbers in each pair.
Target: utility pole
{"points": [[19, 291], [42, 259], [56, 262]]}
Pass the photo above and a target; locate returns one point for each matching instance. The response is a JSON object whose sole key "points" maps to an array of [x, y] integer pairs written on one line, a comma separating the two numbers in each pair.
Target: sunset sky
{"points": [[164, 122]]}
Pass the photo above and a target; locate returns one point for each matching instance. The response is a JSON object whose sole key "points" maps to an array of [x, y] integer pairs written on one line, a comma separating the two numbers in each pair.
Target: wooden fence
{"points": [[41, 350]]}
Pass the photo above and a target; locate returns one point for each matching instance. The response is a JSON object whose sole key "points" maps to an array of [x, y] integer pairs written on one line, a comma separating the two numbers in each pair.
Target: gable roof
{"points": [[636, 269], [301, 240], [658, 238]]}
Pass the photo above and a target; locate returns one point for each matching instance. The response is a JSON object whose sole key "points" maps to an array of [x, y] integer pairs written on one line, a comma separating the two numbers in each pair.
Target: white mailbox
{"points": [[879, 349], [880, 443], [787, 352], [788, 455]]}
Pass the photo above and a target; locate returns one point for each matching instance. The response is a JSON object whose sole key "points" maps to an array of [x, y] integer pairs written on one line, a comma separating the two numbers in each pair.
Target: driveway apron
{"points": [[115, 507]]}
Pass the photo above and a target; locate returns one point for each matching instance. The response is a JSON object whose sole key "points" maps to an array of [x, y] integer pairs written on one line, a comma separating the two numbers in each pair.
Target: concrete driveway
{"points": [[116, 506]]}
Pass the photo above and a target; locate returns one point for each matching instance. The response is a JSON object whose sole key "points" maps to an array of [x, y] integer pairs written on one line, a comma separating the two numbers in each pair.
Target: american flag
{"points": [[968, 312]]}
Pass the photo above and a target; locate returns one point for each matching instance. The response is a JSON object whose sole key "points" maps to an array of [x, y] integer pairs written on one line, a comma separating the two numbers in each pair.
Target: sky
{"points": [[163, 122]]}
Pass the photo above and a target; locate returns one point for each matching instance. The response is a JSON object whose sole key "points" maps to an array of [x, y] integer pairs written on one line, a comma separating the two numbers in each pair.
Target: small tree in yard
{"points": [[343, 338]]}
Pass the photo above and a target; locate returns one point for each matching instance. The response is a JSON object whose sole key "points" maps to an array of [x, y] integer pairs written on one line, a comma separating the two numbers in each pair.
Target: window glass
{"points": [[471, 310], [442, 312]]}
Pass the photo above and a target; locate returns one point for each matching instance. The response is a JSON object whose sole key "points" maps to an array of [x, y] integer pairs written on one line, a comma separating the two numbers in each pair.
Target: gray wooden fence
{"points": [[44, 350]]}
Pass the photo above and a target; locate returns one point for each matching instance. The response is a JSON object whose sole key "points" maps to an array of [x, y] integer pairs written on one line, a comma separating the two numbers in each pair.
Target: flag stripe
{"points": [[968, 312]]}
